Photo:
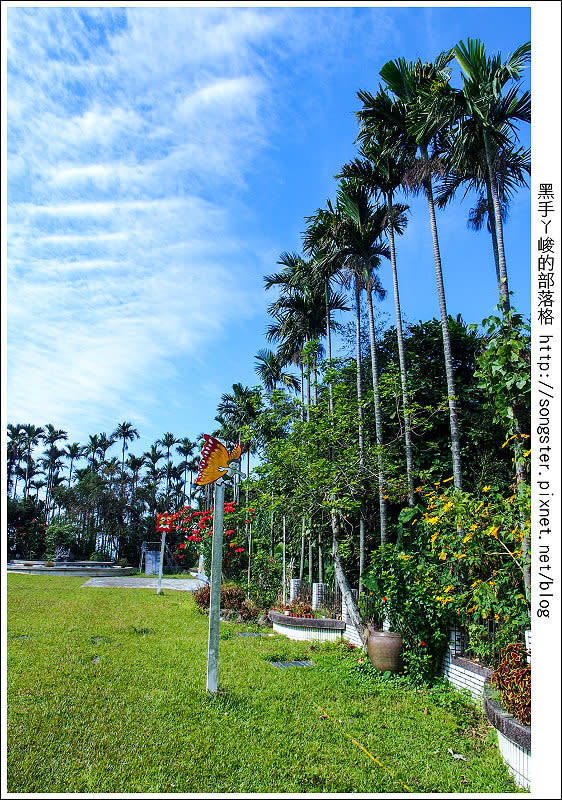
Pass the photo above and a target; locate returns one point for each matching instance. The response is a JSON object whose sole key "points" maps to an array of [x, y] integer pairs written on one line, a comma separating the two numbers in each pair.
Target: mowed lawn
{"points": [[106, 693]]}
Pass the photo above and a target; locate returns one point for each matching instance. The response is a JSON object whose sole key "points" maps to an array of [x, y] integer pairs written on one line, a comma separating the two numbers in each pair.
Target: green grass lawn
{"points": [[106, 693]]}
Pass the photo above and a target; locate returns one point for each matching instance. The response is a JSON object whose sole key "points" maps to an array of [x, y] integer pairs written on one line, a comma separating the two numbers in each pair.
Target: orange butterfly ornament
{"points": [[215, 459]]}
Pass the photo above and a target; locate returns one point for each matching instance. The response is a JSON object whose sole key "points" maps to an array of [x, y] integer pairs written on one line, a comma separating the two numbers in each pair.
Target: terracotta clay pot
{"points": [[385, 650]]}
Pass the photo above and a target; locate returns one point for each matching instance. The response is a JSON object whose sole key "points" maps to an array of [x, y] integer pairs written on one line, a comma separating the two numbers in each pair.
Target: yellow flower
{"points": [[486, 488], [527, 453], [475, 583], [442, 556], [473, 527], [493, 531], [496, 617], [448, 479], [447, 506], [433, 520], [467, 538], [448, 589], [478, 507], [434, 537]]}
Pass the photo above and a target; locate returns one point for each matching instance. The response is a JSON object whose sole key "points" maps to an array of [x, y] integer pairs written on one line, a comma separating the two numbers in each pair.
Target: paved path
{"points": [[179, 584]]}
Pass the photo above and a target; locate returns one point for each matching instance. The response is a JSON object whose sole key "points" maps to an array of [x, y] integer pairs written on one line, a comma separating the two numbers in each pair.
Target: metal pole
{"points": [[249, 557], [215, 598], [284, 569], [162, 545]]}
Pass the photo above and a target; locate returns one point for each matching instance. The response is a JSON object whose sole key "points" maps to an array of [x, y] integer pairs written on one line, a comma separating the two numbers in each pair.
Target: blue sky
{"points": [[160, 160]]}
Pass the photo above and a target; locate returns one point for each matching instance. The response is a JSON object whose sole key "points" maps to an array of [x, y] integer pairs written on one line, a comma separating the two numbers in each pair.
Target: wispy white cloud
{"points": [[117, 122], [132, 134]]}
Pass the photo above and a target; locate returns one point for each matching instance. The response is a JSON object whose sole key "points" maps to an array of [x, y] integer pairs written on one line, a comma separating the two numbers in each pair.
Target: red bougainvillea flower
{"points": [[228, 533], [422, 643], [239, 550], [384, 599]]}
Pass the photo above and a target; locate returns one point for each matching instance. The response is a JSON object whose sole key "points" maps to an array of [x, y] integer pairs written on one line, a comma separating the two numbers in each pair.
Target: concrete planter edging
{"points": [[503, 722], [514, 739], [306, 622]]}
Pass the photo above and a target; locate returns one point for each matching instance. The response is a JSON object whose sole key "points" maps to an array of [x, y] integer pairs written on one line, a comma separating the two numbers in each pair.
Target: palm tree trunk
{"points": [[315, 382], [402, 363], [329, 343], [343, 583], [455, 442], [360, 430], [302, 390], [378, 415], [307, 390], [503, 285], [301, 566], [271, 544], [492, 219]]}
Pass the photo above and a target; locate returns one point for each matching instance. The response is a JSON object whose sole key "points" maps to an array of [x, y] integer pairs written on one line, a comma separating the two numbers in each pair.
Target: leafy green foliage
{"points": [[61, 533], [26, 530], [405, 592]]}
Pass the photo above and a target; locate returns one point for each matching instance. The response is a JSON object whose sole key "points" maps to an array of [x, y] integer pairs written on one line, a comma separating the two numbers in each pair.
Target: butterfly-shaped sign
{"points": [[214, 460]]}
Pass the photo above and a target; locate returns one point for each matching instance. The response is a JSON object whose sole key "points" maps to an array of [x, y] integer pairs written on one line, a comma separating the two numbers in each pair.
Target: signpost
{"points": [[215, 465], [161, 565], [215, 595]]}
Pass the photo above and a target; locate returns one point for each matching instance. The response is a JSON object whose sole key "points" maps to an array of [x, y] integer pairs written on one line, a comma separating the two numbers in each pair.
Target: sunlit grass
{"points": [[106, 693]]}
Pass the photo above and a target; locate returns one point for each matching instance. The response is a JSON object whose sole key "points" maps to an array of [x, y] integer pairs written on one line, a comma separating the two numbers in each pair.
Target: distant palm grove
{"points": [[398, 465]]}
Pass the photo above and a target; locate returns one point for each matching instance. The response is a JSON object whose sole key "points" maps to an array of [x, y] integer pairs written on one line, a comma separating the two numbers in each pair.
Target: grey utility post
{"points": [[215, 597]]}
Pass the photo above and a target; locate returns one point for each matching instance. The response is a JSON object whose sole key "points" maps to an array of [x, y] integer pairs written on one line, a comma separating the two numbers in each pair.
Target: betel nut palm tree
{"points": [[126, 433], [479, 130], [32, 435], [351, 239], [73, 452], [395, 114], [496, 116], [270, 370], [168, 440], [302, 311], [382, 174]]}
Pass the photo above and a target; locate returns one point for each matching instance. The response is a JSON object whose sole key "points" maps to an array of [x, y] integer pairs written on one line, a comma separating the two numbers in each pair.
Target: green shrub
{"points": [[60, 534], [123, 562], [513, 680], [99, 556], [406, 591]]}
